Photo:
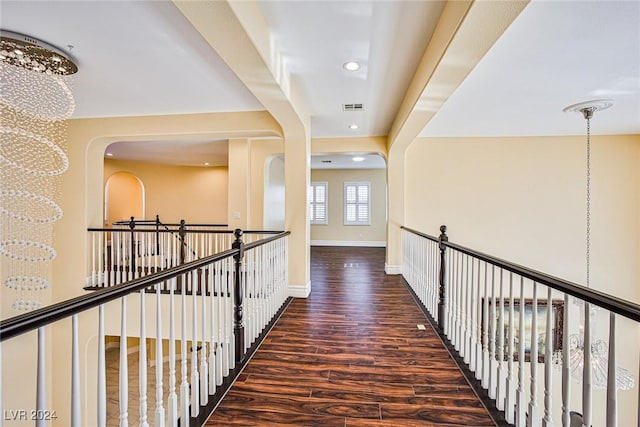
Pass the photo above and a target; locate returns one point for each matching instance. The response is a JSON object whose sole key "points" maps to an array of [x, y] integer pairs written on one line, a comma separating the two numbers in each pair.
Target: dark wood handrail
{"points": [[261, 242], [26, 322], [609, 302], [154, 222], [227, 231]]}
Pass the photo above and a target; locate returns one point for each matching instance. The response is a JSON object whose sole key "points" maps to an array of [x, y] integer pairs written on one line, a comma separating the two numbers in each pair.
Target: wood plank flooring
{"points": [[351, 355]]}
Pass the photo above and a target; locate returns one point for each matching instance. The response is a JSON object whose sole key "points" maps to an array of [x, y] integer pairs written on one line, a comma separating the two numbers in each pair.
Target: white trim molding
{"points": [[392, 269], [299, 291], [364, 243]]}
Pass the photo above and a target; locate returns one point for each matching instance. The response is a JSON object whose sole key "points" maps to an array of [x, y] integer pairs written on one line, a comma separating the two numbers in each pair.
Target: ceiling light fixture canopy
{"points": [[353, 126], [588, 108], [351, 65], [33, 54]]}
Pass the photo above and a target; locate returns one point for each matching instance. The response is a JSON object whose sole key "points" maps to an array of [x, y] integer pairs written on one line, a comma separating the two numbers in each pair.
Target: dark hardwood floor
{"points": [[351, 355]]}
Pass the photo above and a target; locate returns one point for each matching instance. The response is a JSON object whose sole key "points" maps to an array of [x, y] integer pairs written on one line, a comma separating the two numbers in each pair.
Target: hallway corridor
{"points": [[351, 355]]}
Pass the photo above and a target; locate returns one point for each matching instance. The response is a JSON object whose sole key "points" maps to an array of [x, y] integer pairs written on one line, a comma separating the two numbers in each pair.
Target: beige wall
{"points": [[523, 200], [196, 194], [335, 230]]}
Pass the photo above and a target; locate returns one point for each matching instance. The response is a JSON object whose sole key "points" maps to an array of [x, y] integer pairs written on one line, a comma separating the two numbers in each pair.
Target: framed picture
{"points": [[557, 316]]}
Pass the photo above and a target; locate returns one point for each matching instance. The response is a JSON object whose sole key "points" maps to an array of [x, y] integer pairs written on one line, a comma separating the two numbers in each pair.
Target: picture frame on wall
{"points": [[557, 315]]}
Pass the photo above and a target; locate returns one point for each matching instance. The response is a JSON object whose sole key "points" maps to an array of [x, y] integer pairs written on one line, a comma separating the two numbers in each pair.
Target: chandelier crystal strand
{"points": [[588, 255], [35, 101], [598, 349]]}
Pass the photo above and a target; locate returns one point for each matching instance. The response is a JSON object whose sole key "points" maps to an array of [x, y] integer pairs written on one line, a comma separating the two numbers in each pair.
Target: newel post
{"points": [[441, 240], [132, 226], [238, 294], [182, 232]]}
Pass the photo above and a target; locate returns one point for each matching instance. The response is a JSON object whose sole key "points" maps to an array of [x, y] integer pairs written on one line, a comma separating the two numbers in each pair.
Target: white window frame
{"points": [[357, 203], [312, 202]]}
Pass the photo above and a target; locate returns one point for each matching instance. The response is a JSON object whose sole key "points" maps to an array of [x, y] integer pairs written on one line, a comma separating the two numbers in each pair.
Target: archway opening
{"points": [[124, 198]]}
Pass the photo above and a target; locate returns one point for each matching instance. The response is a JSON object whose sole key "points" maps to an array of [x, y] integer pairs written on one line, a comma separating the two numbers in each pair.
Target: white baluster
{"points": [[510, 401], [104, 260], [94, 278], [502, 373], [612, 394], [521, 397], [1, 405], [566, 373], [124, 367], [586, 375], [76, 413], [204, 367], [142, 361], [493, 376], [478, 329], [213, 325], [464, 306], [472, 320], [195, 378], [459, 303], [172, 400], [228, 313], [102, 372], [485, 331], [548, 354], [532, 416], [184, 385], [230, 302], [41, 390], [113, 255], [159, 410], [450, 295], [469, 315]]}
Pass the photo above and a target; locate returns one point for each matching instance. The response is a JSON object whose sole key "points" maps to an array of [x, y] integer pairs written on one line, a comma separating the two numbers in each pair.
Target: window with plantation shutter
{"points": [[318, 204], [357, 203]]}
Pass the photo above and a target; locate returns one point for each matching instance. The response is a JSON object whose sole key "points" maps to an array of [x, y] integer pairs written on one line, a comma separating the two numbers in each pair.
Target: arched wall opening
{"points": [[124, 197], [274, 193]]}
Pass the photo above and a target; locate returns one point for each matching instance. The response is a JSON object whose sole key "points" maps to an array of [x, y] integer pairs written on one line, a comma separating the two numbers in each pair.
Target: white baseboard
{"points": [[392, 269], [365, 243], [299, 291]]}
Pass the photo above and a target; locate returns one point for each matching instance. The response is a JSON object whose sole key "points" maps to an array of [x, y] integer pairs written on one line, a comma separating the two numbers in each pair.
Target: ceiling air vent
{"points": [[352, 107], [325, 161]]}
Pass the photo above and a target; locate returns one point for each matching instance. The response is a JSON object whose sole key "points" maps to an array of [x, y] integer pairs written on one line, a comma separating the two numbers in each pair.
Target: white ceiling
{"points": [[194, 152], [134, 57], [555, 54], [388, 38], [143, 58], [345, 161]]}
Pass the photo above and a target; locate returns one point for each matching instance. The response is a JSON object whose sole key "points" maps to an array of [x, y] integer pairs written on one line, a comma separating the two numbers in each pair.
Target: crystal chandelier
{"points": [[35, 101], [599, 348]]}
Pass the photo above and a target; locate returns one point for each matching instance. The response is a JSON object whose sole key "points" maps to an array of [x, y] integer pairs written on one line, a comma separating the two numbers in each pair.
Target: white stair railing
{"points": [[523, 344], [206, 349]]}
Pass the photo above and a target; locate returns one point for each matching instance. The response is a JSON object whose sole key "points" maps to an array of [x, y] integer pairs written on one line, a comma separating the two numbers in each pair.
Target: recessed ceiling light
{"points": [[357, 159], [110, 154], [351, 66], [353, 126], [206, 164]]}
